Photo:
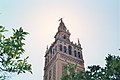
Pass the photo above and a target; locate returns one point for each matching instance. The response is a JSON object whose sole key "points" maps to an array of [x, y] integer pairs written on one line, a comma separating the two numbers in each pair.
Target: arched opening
{"points": [[75, 53], [65, 49], [60, 47], [79, 56], [64, 37], [70, 50], [45, 61]]}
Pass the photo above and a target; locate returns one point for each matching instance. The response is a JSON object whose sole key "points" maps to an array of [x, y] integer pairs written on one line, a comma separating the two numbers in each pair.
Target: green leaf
{"points": [[11, 51]]}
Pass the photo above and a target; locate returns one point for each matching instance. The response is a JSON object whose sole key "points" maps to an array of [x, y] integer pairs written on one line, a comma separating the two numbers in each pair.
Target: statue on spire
{"points": [[61, 19], [62, 25]]}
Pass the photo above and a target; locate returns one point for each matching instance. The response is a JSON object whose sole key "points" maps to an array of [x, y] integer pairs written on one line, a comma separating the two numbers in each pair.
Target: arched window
{"points": [[70, 50], [64, 37], [79, 55], [53, 51], [75, 53], [45, 61], [55, 48], [50, 75], [50, 50], [65, 49], [48, 58], [60, 47]]}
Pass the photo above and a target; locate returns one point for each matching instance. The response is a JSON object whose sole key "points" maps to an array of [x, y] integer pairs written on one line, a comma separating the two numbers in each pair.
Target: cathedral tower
{"points": [[61, 52]]}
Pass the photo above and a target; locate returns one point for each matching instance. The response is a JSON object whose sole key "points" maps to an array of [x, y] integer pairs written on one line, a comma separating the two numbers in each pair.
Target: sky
{"points": [[95, 22]]}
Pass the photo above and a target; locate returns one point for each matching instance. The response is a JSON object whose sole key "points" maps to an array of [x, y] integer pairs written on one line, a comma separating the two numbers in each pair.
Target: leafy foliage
{"points": [[11, 50], [70, 72], [111, 71]]}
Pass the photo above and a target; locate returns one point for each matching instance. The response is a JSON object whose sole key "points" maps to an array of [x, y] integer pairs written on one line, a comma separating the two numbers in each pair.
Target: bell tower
{"points": [[61, 52]]}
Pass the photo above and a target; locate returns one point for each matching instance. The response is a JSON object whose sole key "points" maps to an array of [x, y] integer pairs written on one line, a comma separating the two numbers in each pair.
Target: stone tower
{"points": [[62, 51]]}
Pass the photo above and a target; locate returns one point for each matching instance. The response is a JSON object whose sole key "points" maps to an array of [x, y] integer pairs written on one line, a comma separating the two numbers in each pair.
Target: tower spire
{"points": [[63, 33], [79, 42], [62, 26]]}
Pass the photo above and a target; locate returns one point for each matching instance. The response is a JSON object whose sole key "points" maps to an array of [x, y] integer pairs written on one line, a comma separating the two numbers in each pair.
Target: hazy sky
{"points": [[95, 22]]}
